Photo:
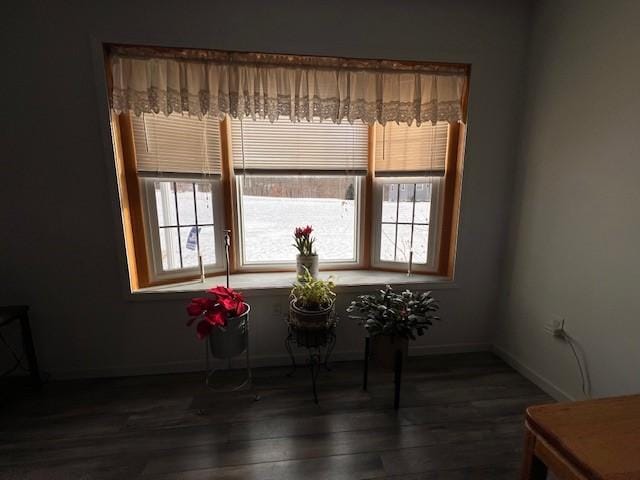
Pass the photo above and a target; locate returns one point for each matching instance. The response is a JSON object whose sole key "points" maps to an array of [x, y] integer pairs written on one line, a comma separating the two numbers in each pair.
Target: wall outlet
{"points": [[555, 326]]}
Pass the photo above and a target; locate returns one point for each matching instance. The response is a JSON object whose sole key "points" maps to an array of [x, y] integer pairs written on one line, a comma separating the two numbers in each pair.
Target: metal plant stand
{"points": [[213, 381], [397, 371], [228, 343], [319, 342], [18, 313]]}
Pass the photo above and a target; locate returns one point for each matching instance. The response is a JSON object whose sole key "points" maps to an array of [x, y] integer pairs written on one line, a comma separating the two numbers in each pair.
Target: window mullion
{"points": [[369, 222], [195, 211], [395, 242], [413, 216], [175, 196]]}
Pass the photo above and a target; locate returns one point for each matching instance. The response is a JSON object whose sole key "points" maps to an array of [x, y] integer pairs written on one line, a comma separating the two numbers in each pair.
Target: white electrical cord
{"points": [[584, 376]]}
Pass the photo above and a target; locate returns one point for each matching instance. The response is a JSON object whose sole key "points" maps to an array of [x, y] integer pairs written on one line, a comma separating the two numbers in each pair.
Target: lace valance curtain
{"points": [[215, 84]]}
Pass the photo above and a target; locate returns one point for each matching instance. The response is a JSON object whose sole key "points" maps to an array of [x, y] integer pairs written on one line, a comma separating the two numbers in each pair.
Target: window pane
{"points": [[272, 207], [204, 202], [403, 245], [165, 203], [423, 203], [186, 206], [411, 230], [189, 244], [420, 242], [207, 245], [405, 207], [389, 202], [388, 242], [169, 248]]}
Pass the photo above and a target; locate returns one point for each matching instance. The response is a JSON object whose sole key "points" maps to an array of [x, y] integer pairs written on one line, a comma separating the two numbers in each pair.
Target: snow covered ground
{"points": [[269, 223]]}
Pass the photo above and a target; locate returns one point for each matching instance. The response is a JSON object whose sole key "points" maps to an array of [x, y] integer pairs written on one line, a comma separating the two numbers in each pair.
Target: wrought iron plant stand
{"points": [[227, 343], [319, 340]]}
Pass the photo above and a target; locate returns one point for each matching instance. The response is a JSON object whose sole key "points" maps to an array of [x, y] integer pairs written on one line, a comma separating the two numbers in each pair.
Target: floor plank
{"points": [[461, 416]]}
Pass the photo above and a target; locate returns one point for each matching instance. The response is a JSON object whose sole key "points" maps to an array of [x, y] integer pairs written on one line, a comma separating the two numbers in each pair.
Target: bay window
{"points": [[380, 188]]}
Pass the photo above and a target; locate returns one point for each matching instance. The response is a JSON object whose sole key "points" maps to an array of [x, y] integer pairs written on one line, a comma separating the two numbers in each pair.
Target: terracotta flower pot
{"points": [[384, 348]]}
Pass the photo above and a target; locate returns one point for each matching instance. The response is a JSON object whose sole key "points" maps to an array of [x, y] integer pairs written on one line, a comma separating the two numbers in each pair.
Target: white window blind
{"points": [[176, 144], [403, 150], [262, 147]]}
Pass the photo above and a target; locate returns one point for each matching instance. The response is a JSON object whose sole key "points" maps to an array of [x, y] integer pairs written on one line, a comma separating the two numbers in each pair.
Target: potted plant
{"points": [[312, 301], [392, 319], [306, 257], [222, 319]]}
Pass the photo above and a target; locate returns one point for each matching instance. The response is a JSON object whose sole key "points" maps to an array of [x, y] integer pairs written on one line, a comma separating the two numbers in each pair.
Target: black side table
{"points": [[10, 314], [397, 371], [318, 340]]}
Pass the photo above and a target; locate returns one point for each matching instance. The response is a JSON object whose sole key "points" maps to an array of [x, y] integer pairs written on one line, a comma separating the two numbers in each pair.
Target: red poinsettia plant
{"points": [[304, 241], [214, 311]]}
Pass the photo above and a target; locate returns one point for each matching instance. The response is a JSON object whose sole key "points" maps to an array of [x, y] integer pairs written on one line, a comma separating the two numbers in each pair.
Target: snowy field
{"points": [[269, 222]]}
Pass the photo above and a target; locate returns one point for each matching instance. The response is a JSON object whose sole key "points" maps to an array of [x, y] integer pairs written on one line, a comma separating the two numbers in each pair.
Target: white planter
{"points": [[232, 340], [309, 261]]}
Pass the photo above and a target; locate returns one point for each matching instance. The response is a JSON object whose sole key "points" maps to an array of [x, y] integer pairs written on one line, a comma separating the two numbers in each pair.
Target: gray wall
{"points": [[575, 231], [61, 240]]}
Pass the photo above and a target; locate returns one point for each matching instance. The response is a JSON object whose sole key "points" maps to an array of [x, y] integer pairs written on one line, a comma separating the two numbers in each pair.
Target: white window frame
{"points": [[435, 223], [356, 262], [152, 237]]}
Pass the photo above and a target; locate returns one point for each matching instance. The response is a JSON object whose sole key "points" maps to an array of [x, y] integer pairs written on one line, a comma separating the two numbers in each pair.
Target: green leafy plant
{"points": [[312, 294], [405, 314]]}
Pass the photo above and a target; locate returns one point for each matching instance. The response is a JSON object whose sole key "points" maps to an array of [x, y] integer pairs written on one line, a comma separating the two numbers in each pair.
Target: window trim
{"points": [[130, 205], [448, 238], [137, 251]]}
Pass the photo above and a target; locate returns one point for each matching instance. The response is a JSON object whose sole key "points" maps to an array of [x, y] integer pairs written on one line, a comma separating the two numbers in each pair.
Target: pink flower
{"points": [[300, 232], [231, 301], [216, 317], [203, 329], [214, 312], [220, 291], [199, 305]]}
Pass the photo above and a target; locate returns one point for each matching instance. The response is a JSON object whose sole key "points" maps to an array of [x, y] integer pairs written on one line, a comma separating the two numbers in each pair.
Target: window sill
{"points": [[274, 283]]}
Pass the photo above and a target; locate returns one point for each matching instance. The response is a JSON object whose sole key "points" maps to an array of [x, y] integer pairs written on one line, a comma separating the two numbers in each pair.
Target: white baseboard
{"points": [[256, 361], [419, 350], [535, 377], [284, 360]]}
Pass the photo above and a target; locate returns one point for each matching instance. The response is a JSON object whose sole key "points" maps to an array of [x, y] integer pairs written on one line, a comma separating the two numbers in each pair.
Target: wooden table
{"points": [[589, 440]]}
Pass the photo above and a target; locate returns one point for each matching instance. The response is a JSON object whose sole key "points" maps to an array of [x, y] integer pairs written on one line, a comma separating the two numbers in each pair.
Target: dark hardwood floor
{"points": [[460, 418]]}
